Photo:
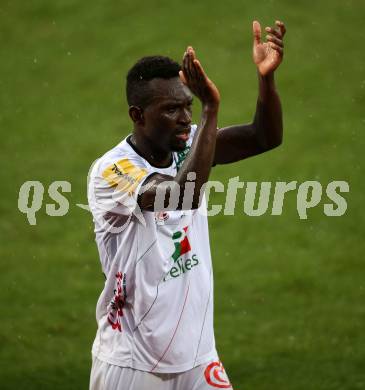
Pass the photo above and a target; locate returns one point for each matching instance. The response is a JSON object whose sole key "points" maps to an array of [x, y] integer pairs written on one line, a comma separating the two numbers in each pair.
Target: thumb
{"points": [[256, 29], [182, 77]]}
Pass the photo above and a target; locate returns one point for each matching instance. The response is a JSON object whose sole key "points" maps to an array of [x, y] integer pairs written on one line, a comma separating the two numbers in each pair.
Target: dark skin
{"points": [[164, 125], [156, 126]]}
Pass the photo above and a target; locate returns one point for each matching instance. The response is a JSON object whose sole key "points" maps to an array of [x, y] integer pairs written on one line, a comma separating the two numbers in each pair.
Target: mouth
{"points": [[183, 135]]}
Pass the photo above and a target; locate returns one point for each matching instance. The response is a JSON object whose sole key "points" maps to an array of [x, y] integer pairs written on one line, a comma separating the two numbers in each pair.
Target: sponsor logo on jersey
{"points": [[216, 376], [182, 264], [181, 157], [161, 217], [124, 175], [115, 307]]}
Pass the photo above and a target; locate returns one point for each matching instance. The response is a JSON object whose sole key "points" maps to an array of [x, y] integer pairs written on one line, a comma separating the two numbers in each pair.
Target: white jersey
{"points": [[155, 312]]}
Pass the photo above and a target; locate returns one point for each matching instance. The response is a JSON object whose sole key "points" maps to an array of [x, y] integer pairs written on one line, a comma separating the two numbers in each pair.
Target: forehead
{"points": [[169, 90]]}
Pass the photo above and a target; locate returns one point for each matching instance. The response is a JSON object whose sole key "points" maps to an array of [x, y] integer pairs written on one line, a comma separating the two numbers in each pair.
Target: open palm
{"points": [[193, 75], [268, 55]]}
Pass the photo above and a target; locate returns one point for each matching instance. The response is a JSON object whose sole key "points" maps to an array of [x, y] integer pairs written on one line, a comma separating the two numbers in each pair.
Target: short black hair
{"points": [[144, 70]]}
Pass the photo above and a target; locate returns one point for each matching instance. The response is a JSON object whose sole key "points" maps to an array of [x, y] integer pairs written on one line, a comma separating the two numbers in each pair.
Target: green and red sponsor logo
{"points": [[182, 261]]}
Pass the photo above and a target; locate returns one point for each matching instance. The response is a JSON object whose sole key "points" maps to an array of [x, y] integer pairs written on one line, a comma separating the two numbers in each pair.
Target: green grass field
{"points": [[289, 293]]}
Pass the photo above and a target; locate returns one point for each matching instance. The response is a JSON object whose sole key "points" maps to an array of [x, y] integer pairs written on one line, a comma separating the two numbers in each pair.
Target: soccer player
{"points": [[155, 313]]}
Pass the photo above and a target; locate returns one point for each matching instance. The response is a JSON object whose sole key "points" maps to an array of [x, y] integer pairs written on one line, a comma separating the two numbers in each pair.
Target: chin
{"points": [[178, 146]]}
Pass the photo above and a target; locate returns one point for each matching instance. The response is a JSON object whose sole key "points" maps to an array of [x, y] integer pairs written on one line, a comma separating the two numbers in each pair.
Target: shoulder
{"points": [[120, 160]]}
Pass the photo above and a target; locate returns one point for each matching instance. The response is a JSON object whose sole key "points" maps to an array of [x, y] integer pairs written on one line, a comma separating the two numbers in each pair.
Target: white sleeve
{"points": [[114, 186]]}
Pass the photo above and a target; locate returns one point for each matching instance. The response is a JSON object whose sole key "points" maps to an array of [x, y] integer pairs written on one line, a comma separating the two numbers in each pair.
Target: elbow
{"points": [[269, 145], [272, 140], [274, 143], [268, 137]]}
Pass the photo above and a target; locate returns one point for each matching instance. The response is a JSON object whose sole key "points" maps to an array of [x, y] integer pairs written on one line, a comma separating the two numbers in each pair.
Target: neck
{"points": [[154, 155]]}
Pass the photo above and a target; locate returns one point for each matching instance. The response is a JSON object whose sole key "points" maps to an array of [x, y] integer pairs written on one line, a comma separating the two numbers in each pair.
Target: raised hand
{"points": [[194, 77], [268, 55]]}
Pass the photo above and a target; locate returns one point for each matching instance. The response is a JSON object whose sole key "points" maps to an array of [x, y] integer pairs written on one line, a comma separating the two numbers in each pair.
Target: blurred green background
{"points": [[289, 293]]}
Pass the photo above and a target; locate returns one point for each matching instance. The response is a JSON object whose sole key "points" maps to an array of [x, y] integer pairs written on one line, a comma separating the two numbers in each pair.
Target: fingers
{"points": [[256, 30], [278, 48], [200, 69], [194, 77], [275, 36], [192, 70], [275, 40], [279, 31], [192, 67], [274, 32], [281, 27], [192, 52], [185, 64], [187, 67]]}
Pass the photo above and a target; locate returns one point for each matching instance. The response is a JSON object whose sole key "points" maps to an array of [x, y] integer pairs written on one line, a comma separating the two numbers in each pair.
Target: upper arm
{"points": [[235, 143]]}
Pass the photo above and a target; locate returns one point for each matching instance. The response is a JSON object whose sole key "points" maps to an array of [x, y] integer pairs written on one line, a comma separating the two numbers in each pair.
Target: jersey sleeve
{"points": [[114, 188]]}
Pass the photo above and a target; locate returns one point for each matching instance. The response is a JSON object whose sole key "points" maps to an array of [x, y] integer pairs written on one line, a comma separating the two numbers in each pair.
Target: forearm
{"points": [[201, 154], [268, 122]]}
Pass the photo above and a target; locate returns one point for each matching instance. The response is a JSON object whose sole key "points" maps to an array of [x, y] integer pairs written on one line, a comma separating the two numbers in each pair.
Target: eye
{"points": [[171, 109]]}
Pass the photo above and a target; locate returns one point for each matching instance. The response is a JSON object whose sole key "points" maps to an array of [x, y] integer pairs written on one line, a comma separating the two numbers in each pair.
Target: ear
{"points": [[136, 114]]}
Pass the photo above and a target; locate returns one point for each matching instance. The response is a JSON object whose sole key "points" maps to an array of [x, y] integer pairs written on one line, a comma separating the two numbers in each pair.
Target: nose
{"points": [[185, 117]]}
